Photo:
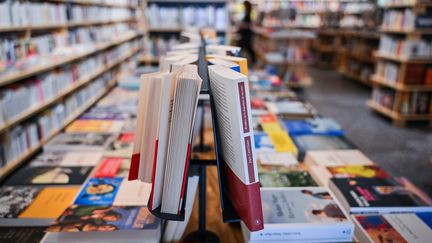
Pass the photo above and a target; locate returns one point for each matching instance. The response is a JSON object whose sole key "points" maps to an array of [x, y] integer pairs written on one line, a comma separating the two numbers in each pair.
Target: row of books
{"points": [[18, 98], [414, 73], [19, 14], [406, 19], [289, 53], [307, 21], [25, 136], [337, 192], [156, 46], [411, 103], [408, 48], [318, 6], [189, 16], [360, 69]]}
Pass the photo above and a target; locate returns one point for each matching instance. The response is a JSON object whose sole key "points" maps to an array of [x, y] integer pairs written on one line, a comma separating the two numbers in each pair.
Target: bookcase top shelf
{"points": [[401, 59], [94, 3], [78, 84], [34, 70], [62, 26], [399, 86]]}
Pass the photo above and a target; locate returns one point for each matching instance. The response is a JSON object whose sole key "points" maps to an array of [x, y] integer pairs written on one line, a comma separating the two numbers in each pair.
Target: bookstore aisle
{"points": [[401, 151]]}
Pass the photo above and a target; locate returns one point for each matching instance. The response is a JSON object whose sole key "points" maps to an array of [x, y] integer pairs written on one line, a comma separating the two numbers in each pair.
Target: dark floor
{"points": [[401, 151]]}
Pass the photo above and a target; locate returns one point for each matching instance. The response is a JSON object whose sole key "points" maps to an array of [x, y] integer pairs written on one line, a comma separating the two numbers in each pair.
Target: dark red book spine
{"points": [[153, 175], [185, 177], [134, 168], [246, 200]]}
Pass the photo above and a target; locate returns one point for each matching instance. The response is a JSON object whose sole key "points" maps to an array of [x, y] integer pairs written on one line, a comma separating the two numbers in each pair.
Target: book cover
{"points": [[104, 218], [395, 227], [95, 126], [13, 200], [377, 195], [21, 234], [80, 141], [281, 159], [50, 202], [286, 179], [120, 149], [336, 158], [44, 175], [81, 158], [99, 191], [282, 142], [302, 214], [308, 142], [263, 142], [354, 171], [322, 126], [48, 158], [133, 193], [113, 167], [104, 115]]}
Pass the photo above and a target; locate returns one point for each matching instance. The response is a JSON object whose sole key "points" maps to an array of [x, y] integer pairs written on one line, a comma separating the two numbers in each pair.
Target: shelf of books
{"points": [[57, 67], [167, 19], [403, 77]]}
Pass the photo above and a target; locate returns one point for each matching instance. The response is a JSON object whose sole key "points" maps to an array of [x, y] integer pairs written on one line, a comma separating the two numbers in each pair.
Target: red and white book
{"points": [[230, 91], [166, 115]]}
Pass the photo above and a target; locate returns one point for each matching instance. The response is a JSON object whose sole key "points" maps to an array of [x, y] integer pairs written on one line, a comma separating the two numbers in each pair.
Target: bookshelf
{"points": [[402, 85], [93, 55], [167, 19]]}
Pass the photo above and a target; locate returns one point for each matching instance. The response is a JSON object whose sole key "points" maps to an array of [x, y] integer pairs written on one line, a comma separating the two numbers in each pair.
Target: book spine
{"points": [[153, 174]]}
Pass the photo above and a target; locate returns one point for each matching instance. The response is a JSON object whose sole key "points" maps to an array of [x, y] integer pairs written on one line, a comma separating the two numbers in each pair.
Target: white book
{"points": [[231, 96], [81, 159], [305, 214], [132, 193], [336, 158]]}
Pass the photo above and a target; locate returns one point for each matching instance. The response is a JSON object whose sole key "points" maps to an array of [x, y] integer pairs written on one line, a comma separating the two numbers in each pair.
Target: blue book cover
{"points": [[263, 142], [317, 126], [99, 191]]}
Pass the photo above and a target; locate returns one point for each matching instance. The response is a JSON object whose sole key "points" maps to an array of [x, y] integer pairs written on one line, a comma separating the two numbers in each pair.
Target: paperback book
{"points": [[295, 178], [80, 142], [47, 175]]}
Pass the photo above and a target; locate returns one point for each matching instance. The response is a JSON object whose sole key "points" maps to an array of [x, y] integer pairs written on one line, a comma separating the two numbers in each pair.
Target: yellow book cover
{"points": [[271, 127], [50, 202], [282, 142], [95, 126]]}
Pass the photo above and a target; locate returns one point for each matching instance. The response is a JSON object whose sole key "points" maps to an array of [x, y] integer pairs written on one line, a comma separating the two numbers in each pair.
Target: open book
{"points": [[230, 92], [166, 113]]}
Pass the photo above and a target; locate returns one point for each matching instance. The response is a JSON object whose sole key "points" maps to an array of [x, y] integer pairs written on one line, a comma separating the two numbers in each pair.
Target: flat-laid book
{"points": [[379, 195], [230, 92], [304, 214], [406, 227]]}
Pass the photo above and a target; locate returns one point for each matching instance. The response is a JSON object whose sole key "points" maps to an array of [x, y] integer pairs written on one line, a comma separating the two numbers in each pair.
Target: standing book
{"points": [[230, 92]]}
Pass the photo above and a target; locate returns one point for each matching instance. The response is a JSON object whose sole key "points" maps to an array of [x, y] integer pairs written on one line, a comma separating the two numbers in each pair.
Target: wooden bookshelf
{"points": [[399, 86], [78, 84], [12, 165], [403, 94], [402, 59], [59, 61], [61, 26]]}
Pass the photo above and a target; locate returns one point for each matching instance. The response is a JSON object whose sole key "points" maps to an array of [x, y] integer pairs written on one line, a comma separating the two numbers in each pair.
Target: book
{"points": [[47, 175], [283, 142], [323, 174], [306, 143], [240, 61], [97, 191], [95, 126], [14, 200], [305, 214], [378, 195], [294, 178], [80, 142], [101, 218], [112, 167], [336, 158], [119, 149], [230, 91], [282, 159], [165, 135], [21, 234], [217, 61], [34, 206], [323, 126], [263, 142], [64, 158], [290, 109], [407, 227]]}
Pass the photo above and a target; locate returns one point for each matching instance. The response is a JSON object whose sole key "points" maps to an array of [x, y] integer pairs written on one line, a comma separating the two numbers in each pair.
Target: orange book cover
{"points": [[95, 126], [50, 202]]}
